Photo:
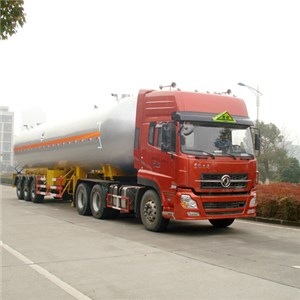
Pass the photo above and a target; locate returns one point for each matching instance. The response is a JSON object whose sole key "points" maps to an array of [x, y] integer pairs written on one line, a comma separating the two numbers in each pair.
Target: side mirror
{"points": [[165, 141], [168, 141], [187, 129], [256, 140]]}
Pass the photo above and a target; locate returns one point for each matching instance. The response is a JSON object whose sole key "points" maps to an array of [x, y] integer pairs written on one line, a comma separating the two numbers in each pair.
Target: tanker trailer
{"points": [[57, 157], [79, 142], [161, 156]]}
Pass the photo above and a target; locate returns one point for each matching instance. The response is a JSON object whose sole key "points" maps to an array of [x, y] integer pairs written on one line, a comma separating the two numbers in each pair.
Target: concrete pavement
{"points": [[51, 252]]}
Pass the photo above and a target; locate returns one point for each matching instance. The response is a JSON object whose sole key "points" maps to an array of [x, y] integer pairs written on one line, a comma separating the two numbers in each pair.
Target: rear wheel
{"points": [[98, 204], [35, 198], [221, 223], [151, 212], [26, 189], [19, 188], [82, 197]]}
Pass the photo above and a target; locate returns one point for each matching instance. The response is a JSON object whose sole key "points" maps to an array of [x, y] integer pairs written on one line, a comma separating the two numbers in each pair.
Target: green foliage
{"points": [[11, 16], [6, 180], [290, 170], [274, 163]]}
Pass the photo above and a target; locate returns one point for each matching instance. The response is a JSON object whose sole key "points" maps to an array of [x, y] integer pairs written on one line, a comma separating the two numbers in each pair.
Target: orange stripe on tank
{"points": [[68, 139]]}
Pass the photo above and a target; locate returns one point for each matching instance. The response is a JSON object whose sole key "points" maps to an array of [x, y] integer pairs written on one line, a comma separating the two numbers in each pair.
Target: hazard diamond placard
{"points": [[224, 117]]}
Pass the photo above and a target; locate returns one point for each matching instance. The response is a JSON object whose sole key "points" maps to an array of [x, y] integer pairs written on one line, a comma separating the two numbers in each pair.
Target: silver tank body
{"points": [[65, 143]]}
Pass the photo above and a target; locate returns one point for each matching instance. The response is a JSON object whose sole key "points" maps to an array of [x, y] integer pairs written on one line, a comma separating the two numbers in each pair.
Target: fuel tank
{"points": [[103, 136]]}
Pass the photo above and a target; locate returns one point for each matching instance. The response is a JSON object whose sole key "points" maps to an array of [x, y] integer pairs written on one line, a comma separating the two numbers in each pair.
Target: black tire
{"points": [[151, 212], [35, 198], [19, 188], [98, 204], [65, 197], [221, 223], [26, 189], [82, 197]]}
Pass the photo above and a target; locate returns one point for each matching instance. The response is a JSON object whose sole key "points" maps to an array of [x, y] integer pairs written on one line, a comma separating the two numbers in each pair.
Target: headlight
{"points": [[253, 201], [187, 202]]}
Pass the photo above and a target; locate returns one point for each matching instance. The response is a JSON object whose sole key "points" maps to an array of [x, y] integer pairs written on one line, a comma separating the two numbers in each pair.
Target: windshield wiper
{"points": [[248, 154], [205, 152], [229, 154], [241, 156]]}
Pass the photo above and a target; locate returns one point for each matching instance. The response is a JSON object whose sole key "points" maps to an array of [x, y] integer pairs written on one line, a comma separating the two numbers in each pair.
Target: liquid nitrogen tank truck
{"points": [[164, 155]]}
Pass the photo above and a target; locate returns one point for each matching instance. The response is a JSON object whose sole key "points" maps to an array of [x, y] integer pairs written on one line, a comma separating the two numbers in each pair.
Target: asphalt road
{"points": [[51, 252]]}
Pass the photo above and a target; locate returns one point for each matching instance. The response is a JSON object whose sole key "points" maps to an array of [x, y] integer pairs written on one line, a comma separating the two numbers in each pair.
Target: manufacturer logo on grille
{"points": [[225, 181]]}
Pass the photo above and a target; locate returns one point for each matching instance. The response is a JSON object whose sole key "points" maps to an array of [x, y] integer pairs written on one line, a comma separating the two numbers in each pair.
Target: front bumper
{"points": [[210, 206]]}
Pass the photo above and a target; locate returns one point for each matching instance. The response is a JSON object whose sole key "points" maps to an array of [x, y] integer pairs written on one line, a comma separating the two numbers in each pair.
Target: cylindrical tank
{"points": [[103, 136]]}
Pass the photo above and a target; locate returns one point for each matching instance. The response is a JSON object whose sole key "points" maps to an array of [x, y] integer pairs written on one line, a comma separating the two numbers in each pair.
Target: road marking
{"points": [[60, 283], [269, 225], [296, 267]]}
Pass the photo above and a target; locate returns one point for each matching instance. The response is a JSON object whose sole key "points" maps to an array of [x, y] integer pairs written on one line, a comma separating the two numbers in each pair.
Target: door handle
{"points": [[156, 164]]}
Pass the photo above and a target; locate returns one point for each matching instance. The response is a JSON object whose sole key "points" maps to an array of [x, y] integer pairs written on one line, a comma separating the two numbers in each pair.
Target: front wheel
{"points": [[221, 223], [151, 212]]}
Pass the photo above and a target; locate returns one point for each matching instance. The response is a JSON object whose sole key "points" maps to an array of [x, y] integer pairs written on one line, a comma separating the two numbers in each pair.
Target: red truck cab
{"points": [[196, 153]]}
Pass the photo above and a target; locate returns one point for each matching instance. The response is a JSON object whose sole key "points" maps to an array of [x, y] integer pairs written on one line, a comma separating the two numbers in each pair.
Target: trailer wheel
{"points": [[35, 198], [221, 223], [151, 212], [82, 196], [97, 203], [19, 188], [26, 189]]}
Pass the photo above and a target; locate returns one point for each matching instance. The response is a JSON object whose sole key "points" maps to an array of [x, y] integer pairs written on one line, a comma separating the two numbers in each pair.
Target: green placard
{"points": [[224, 117]]}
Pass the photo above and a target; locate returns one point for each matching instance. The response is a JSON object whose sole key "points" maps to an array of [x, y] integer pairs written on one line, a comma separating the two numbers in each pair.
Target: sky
{"points": [[72, 54]]}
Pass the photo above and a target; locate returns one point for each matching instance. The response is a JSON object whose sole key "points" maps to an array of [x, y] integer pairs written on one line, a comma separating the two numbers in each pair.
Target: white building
{"points": [[6, 139]]}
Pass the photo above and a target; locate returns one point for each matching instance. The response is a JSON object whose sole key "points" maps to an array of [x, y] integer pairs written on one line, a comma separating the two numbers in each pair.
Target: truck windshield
{"points": [[197, 139]]}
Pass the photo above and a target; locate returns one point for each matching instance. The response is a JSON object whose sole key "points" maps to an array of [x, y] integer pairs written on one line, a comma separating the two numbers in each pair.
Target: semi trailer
{"points": [[163, 155]]}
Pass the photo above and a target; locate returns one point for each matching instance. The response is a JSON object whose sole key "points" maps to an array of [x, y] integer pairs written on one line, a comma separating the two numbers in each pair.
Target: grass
{"points": [[6, 179]]}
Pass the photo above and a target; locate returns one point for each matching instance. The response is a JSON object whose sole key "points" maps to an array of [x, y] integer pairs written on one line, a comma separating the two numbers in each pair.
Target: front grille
{"points": [[224, 213], [224, 205], [214, 181], [224, 208]]}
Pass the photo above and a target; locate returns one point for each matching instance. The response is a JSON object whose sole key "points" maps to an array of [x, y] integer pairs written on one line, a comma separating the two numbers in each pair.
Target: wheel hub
{"points": [[80, 200], [150, 211], [96, 202]]}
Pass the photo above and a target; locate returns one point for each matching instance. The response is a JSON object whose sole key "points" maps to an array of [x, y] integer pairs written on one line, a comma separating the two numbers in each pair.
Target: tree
{"points": [[274, 162], [11, 16], [290, 171], [272, 151]]}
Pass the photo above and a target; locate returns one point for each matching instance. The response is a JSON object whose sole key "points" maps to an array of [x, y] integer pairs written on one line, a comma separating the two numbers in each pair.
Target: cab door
{"points": [[165, 160], [158, 156]]}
